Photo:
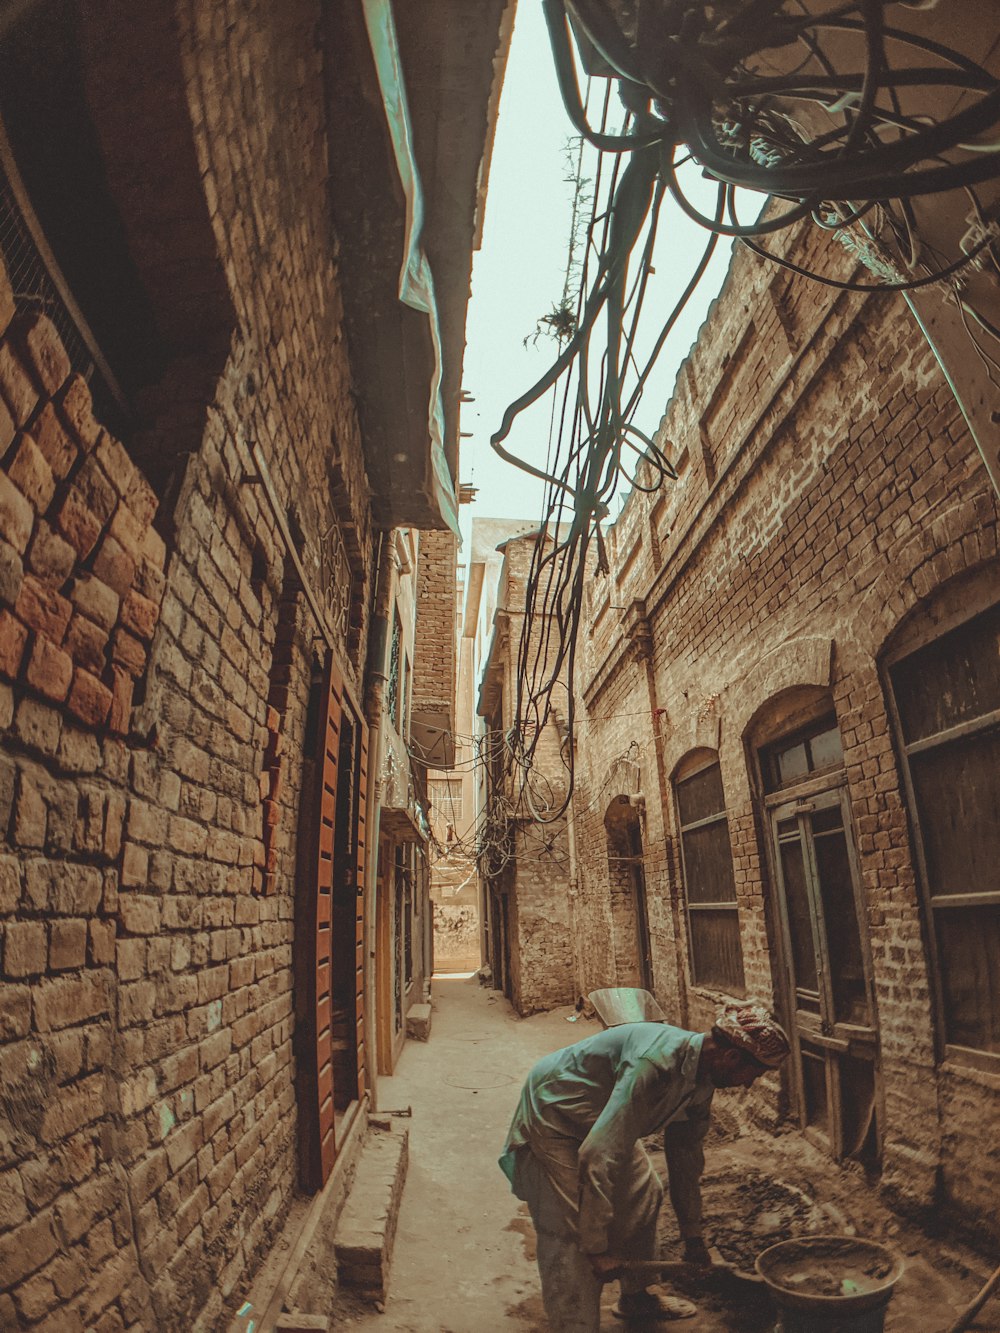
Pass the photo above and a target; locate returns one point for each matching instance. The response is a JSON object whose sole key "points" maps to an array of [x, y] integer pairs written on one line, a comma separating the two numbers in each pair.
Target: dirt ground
{"points": [[465, 1248]]}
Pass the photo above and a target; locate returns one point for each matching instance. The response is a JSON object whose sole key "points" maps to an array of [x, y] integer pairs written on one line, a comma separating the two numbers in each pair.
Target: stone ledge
{"points": [[418, 1021], [367, 1226]]}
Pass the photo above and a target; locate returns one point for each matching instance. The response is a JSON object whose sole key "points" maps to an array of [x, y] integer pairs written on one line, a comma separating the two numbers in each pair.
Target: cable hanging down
{"points": [[831, 115]]}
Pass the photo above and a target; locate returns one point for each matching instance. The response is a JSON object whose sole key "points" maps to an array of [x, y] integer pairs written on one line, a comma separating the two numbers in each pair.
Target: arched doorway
{"points": [[627, 883]]}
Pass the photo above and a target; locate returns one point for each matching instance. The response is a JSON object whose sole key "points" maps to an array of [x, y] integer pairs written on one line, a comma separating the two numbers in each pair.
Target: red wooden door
{"points": [[313, 949]]}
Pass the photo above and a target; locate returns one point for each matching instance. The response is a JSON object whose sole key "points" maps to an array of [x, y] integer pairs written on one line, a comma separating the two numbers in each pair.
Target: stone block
{"points": [[50, 670], [78, 524], [42, 609], [44, 353], [11, 574], [77, 410], [114, 566], [50, 558], [16, 515], [32, 475], [16, 386], [418, 1021], [89, 700], [13, 641], [300, 1323], [366, 1229], [86, 643], [96, 600], [56, 445]]}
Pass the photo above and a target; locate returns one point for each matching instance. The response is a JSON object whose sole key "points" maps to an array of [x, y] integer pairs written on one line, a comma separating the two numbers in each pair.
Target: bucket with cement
{"points": [[830, 1284]]}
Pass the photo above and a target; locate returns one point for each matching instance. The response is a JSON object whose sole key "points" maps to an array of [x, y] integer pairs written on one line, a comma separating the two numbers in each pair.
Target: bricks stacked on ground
{"points": [[149, 1105], [828, 487]]}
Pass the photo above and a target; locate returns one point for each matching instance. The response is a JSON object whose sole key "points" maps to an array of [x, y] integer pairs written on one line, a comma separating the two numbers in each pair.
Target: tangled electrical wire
{"points": [[829, 112]]}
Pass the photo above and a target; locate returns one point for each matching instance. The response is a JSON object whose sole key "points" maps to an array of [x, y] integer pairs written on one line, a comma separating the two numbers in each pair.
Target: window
{"points": [[446, 799], [707, 863], [816, 749], [394, 682], [947, 700]]}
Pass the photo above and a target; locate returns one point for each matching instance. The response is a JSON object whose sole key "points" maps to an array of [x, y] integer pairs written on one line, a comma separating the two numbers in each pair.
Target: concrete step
{"points": [[418, 1021], [367, 1226]]}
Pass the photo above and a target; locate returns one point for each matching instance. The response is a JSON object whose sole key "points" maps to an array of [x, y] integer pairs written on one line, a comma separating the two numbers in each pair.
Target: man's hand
{"points": [[696, 1252], [605, 1266]]}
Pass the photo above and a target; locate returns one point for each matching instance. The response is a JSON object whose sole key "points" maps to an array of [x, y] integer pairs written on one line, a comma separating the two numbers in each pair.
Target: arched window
{"points": [[707, 866]]}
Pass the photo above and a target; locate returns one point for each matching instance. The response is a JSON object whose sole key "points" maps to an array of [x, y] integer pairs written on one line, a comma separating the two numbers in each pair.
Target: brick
{"points": [[77, 411], [78, 524], [103, 940], [140, 615], [139, 913], [141, 499], [26, 1250], [15, 385], [15, 1011], [42, 609], [17, 518], [122, 690], [56, 445], [64, 1001], [96, 601], [89, 700], [13, 642], [67, 944], [149, 581], [11, 574], [96, 490], [32, 475], [128, 652], [86, 643], [62, 888], [50, 558], [44, 353], [113, 566], [7, 429], [24, 949], [50, 670]]}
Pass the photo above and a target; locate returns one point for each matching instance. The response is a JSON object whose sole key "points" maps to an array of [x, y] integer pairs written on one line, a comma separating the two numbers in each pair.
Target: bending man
{"points": [[573, 1152]]}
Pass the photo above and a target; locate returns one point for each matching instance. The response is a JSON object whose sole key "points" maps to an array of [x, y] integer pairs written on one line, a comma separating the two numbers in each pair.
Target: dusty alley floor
{"points": [[464, 1254]]}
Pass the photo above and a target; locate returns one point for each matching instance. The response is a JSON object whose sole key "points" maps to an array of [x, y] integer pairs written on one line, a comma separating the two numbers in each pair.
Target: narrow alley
{"points": [[499, 503], [464, 1255]]}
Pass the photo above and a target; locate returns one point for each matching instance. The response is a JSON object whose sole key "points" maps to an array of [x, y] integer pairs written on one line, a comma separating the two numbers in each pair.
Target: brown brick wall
{"points": [[841, 490], [147, 1060]]}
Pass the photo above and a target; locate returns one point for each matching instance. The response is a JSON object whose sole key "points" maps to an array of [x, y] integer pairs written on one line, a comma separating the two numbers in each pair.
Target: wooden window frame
{"points": [[690, 767], [925, 633]]}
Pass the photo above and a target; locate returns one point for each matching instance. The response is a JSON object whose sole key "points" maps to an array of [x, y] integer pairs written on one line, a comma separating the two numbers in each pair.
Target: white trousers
{"points": [[570, 1291]]}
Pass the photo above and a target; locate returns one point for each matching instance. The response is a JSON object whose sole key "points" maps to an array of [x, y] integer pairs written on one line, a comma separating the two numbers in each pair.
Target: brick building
{"points": [[787, 751], [220, 356], [523, 854]]}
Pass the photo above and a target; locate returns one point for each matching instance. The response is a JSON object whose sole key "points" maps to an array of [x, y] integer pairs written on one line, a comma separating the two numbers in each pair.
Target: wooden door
{"points": [[313, 963], [359, 922]]}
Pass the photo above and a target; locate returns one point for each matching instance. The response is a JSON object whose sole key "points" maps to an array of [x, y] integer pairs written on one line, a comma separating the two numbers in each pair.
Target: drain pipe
{"points": [[377, 674]]}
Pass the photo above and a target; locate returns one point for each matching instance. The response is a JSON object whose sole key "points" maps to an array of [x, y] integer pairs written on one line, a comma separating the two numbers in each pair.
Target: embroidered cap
{"points": [[755, 1030]]}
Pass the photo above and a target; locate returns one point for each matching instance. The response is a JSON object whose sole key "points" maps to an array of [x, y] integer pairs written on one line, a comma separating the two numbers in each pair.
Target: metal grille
{"points": [[38, 284], [393, 684]]}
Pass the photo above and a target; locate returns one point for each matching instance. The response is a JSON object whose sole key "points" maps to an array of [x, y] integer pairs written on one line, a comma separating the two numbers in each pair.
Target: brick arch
{"points": [[931, 560], [807, 661]]}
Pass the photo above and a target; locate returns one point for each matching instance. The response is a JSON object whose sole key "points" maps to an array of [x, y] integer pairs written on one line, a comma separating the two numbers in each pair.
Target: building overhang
{"points": [[412, 93]]}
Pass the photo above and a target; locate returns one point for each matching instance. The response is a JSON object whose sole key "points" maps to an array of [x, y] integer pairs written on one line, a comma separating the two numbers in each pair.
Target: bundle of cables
{"points": [[833, 114]]}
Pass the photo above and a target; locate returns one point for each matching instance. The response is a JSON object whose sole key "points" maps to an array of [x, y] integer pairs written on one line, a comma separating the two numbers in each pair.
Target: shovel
{"points": [[718, 1271]]}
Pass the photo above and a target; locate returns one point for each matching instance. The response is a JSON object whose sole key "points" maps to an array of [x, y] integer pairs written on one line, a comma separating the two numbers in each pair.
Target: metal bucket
{"points": [[830, 1284], [625, 1004]]}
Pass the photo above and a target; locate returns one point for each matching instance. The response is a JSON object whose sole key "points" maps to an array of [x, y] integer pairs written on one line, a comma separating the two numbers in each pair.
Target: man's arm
{"points": [[683, 1142]]}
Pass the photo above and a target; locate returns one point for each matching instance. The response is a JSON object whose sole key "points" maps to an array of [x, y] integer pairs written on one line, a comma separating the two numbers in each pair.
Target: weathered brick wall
{"points": [[827, 488], [538, 877], [149, 1101], [434, 662]]}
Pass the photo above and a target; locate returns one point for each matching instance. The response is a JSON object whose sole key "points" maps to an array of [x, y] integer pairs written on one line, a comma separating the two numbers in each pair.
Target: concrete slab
{"points": [[366, 1230]]}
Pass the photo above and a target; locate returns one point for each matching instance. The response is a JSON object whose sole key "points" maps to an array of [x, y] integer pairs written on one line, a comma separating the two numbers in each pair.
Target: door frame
{"points": [[832, 1036]]}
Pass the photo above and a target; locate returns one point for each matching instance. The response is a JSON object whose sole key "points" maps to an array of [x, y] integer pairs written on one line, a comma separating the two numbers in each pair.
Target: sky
{"points": [[518, 277]]}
